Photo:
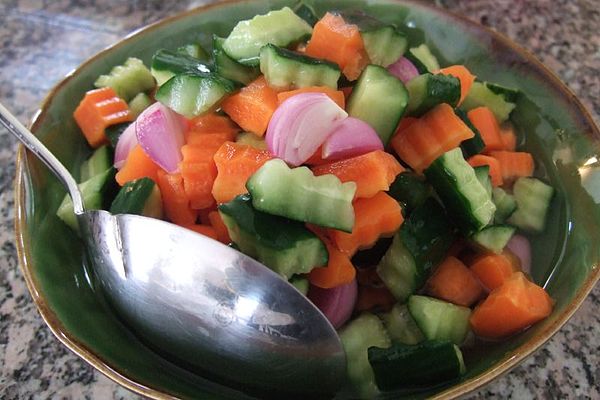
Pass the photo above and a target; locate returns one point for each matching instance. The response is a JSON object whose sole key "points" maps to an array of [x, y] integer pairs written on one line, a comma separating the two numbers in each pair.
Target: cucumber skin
{"points": [[475, 145], [436, 89], [404, 366], [440, 320], [100, 160], [230, 68], [133, 197], [494, 237], [409, 189], [505, 203]]}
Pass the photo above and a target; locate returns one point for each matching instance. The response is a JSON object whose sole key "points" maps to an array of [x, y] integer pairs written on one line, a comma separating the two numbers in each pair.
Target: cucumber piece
{"points": [[427, 91], [285, 70], [428, 363], [475, 145], [533, 199], [139, 103], [284, 245], [192, 95], [505, 204], [482, 173], [508, 94], [100, 160], [401, 326], [384, 45], [193, 50], [440, 320], [139, 197], [94, 192], [128, 79], [113, 132], [297, 194], [481, 95], [494, 237], [357, 336], [306, 12], [280, 28], [410, 189], [462, 194], [423, 59], [250, 139], [301, 283], [379, 99], [228, 68], [166, 64], [398, 270]]}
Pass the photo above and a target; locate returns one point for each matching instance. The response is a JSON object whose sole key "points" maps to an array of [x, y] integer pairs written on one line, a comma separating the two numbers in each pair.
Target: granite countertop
{"points": [[41, 41]]}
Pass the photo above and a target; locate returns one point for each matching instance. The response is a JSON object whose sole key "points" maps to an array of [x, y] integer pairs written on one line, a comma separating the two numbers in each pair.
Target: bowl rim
{"points": [[503, 366]]}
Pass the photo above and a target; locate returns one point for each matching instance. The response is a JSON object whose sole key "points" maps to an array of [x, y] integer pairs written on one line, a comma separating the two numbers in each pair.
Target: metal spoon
{"points": [[203, 304]]}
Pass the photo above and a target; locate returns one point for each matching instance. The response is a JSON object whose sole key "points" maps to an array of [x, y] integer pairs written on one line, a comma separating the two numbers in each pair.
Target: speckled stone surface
{"points": [[40, 41]]}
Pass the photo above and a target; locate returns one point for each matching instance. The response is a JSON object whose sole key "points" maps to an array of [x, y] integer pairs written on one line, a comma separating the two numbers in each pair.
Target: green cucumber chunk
{"points": [[306, 12], [250, 139], [397, 269], [384, 45], [508, 94], [425, 364], [192, 95], [229, 68], [410, 189], [139, 197], [284, 245], [465, 198], [166, 64], [401, 326], [505, 205], [482, 173], [100, 160], [139, 103], [94, 191], [357, 336], [481, 95], [128, 79], [440, 320], [301, 283], [533, 199], [285, 70], [194, 50], [475, 145], [427, 91], [114, 132], [423, 59], [379, 99], [494, 237], [297, 194], [280, 28]]}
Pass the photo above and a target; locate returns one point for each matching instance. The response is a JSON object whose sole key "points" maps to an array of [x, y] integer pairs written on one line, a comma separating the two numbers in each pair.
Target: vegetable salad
{"points": [[387, 188]]}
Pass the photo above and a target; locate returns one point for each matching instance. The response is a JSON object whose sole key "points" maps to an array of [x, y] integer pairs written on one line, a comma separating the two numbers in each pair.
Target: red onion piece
{"points": [[351, 137], [336, 303], [300, 125], [125, 144], [521, 248], [403, 69], [160, 133]]}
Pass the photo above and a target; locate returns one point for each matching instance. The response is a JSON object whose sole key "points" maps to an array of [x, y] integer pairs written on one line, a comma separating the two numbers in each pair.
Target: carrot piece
{"points": [[253, 106], [209, 140], [235, 164], [205, 230], [374, 217], [430, 136], [137, 165], [211, 122], [495, 171], [98, 109], [347, 90], [335, 40], [492, 270], [338, 271], [515, 305], [372, 172], [405, 123], [486, 123], [508, 136], [514, 164], [175, 202], [199, 172], [463, 75], [454, 282], [217, 222], [336, 95]]}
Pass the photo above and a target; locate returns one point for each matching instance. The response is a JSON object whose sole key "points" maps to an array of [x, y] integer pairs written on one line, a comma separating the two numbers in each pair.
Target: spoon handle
{"points": [[32, 143]]}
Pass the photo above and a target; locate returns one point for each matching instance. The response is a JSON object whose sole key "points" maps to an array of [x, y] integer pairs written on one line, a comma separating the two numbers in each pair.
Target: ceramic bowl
{"points": [[558, 131]]}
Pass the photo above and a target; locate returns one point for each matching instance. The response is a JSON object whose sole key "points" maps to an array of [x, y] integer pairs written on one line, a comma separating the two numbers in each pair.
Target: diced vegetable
{"points": [[217, 223], [137, 165], [475, 145], [139, 103], [141, 197], [495, 170], [484, 120], [401, 326], [398, 270], [384, 44], [176, 205], [440, 320], [338, 271], [452, 281], [410, 189], [505, 205], [166, 64], [213, 123], [99, 162], [403, 69], [533, 202], [422, 57], [519, 247], [427, 91], [127, 80], [205, 230], [336, 95], [510, 308], [480, 95], [514, 164], [250, 139], [335, 303], [199, 172], [229, 68], [494, 237], [492, 270], [351, 137], [464, 76]]}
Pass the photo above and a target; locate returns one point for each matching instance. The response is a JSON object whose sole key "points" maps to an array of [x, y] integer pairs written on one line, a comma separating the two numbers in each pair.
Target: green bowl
{"points": [[558, 131]]}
